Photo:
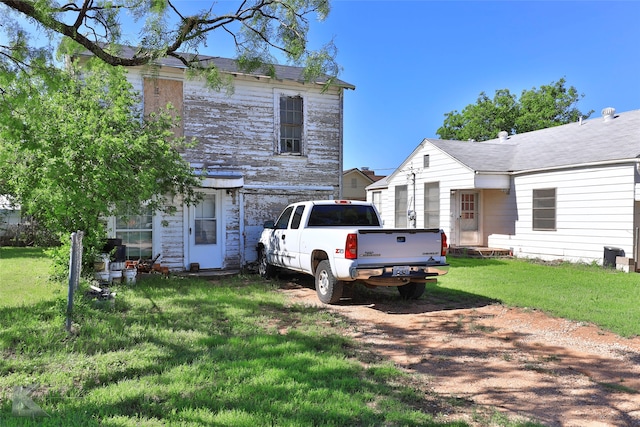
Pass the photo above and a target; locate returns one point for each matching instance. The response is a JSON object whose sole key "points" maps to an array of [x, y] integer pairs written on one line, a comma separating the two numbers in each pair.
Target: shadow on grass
{"points": [[193, 353], [388, 300]]}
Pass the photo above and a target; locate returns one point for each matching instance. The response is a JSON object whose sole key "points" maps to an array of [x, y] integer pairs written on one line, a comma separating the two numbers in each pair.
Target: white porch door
{"points": [[468, 219], [205, 232]]}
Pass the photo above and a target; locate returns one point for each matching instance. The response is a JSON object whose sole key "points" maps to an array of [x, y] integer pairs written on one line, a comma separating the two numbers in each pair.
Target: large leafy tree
{"points": [[76, 148], [550, 105]]}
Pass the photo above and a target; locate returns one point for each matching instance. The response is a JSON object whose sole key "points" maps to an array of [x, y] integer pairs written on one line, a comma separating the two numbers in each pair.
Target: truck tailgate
{"points": [[399, 246]]}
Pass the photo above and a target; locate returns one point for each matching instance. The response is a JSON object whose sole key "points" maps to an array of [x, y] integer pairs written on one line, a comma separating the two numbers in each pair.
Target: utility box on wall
{"points": [[610, 254]]}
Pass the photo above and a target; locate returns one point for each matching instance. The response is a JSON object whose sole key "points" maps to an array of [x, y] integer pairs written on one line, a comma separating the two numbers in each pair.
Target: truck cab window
{"points": [[297, 216], [283, 221]]}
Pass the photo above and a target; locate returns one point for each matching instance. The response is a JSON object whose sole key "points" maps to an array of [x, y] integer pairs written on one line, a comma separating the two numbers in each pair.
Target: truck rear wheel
{"points": [[328, 288], [411, 290], [266, 270]]}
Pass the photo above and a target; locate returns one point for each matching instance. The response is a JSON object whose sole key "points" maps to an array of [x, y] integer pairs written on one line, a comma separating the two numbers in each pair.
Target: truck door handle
{"points": [[283, 236]]}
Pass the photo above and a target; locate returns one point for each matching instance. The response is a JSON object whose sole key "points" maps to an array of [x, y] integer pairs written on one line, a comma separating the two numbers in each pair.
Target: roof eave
{"points": [[633, 160]]}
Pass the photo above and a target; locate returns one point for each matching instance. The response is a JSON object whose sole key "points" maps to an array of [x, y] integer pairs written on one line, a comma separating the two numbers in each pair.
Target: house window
{"points": [[291, 120], [157, 93], [205, 221], [544, 209], [376, 199], [425, 161], [354, 183], [432, 205], [136, 232], [401, 206]]}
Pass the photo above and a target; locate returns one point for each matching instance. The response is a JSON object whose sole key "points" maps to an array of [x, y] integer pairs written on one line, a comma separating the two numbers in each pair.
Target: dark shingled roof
{"points": [[230, 66], [592, 141]]}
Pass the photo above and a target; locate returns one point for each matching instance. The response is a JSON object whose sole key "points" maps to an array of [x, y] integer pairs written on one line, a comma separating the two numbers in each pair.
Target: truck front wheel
{"points": [[266, 270], [411, 290], [328, 288]]}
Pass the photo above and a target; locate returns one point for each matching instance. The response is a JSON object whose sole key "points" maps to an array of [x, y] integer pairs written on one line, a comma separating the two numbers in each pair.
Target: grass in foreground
{"points": [[589, 293], [185, 352], [24, 277]]}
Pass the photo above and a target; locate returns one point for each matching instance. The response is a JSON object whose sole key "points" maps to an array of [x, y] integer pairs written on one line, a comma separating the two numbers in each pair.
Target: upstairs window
{"points": [[291, 121], [544, 209]]}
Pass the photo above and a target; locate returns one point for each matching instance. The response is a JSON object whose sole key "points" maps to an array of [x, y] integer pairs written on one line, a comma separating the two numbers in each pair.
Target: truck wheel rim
{"points": [[263, 264], [323, 283]]}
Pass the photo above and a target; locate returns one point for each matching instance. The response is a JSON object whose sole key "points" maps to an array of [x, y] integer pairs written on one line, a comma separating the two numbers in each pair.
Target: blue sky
{"points": [[414, 61]]}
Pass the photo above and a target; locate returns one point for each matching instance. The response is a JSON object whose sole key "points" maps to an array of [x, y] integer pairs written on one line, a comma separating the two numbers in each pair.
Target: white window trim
{"points": [[534, 209], [156, 237], [277, 93]]}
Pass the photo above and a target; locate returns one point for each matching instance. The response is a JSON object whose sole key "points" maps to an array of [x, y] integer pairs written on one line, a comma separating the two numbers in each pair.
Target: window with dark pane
{"points": [[297, 217], [291, 124], [544, 209]]}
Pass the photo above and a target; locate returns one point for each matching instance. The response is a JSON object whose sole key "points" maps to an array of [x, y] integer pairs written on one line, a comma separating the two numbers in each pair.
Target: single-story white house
{"points": [[570, 192]]}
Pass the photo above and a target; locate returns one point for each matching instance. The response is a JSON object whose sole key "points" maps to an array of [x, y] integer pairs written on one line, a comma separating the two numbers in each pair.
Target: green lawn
{"points": [[589, 293], [231, 352], [24, 277], [191, 352]]}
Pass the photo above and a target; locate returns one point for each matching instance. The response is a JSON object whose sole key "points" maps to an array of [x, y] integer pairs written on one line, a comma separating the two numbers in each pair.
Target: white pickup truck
{"points": [[343, 241]]}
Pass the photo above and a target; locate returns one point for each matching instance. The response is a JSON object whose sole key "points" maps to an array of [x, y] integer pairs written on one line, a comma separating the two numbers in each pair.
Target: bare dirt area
{"points": [[489, 357]]}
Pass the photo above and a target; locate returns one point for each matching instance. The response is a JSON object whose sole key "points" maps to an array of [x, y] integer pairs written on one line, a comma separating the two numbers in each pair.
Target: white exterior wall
{"points": [[238, 133], [498, 214], [442, 168], [594, 209]]}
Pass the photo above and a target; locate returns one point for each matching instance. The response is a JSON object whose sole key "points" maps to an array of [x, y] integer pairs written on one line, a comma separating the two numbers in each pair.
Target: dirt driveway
{"points": [[516, 361]]}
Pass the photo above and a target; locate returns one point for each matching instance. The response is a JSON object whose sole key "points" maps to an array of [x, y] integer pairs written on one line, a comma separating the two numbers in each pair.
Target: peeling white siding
{"points": [[238, 133], [168, 238]]}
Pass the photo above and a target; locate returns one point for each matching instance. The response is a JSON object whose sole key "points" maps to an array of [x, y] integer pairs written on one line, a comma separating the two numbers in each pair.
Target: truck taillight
{"points": [[443, 247], [351, 246]]}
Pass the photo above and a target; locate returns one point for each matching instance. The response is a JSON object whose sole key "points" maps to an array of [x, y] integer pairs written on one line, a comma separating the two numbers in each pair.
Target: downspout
{"points": [[340, 166], [413, 177]]}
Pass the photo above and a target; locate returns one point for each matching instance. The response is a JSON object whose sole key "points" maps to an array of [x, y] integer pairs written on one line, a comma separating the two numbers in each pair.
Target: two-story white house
{"points": [[270, 142]]}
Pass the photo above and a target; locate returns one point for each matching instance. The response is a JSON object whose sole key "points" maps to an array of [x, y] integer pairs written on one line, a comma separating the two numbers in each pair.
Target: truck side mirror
{"points": [[269, 224]]}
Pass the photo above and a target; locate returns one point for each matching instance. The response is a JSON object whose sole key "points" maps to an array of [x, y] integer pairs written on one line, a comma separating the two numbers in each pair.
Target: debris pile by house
{"points": [[96, 292]]}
